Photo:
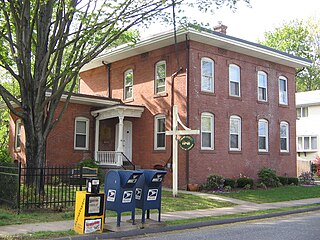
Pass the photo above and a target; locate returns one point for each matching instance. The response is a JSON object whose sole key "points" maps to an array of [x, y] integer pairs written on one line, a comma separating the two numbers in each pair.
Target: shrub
{"points": [[268, 177], [230, 182], [293, 181], [5, 156], [227, 188], [214, 182], [306, 178], [242, 182], [88, 163], [283, 180], [247, 187]]}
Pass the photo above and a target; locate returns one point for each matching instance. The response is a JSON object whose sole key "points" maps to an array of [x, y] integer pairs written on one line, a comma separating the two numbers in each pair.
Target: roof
{"points": [[201, 35], [308, 98]]}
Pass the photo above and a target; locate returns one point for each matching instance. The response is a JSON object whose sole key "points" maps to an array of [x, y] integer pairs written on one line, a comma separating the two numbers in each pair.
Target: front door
{"points": [[127, 138]]}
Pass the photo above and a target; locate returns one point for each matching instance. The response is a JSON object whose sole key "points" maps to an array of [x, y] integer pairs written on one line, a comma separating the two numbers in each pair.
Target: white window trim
{"points": [[286, 92], [303, 148], [266, 136], [87, 133], [156, 118], [287, 136], [211, 116], [266, 87], [236, 81], [234, 117], [125, 86], [156, 77], [212, 76], [301, 112], [18, 128]]}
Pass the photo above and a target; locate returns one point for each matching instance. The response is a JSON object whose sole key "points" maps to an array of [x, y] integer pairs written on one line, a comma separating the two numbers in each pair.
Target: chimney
{"points": [[220, 28]]}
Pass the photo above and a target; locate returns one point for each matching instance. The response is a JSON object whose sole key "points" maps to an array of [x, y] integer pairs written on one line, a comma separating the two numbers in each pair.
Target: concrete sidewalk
{"points": [[241, 207]]}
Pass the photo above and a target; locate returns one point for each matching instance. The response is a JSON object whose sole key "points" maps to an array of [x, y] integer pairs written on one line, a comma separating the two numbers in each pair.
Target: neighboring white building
{"points": [[308, 124]]}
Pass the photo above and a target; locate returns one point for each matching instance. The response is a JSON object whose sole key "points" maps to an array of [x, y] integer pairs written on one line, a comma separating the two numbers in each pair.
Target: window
{"points": [[307, 144], [302, 112], [160, 78], [283, 92], [235, 133], [263, 135], [160, 132], [262, 86], [234, 80], [17, 139], [128, 84], [207, 75], [81, 138], [207, 131], [284, 137]]}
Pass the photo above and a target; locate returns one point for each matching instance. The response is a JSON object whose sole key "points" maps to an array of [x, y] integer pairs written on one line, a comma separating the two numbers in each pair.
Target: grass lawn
{"points": [[169, 204], [279, 194]]}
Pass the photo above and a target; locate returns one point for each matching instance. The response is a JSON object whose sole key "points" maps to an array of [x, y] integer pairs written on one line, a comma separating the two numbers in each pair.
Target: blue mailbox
{"points": [[148, 192], [119, 190]]}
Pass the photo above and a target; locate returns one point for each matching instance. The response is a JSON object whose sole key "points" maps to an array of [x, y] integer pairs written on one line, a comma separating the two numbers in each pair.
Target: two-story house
{"points": [[240, 95]]}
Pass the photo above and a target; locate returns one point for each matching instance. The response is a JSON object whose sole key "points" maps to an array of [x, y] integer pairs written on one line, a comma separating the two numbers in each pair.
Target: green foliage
{"points": [[230, 182], [244, 181], [87, 163], [300, 39], [9, 183], [293, 181], [283, 180], [5, 156], [269, 177], [214, 182]]}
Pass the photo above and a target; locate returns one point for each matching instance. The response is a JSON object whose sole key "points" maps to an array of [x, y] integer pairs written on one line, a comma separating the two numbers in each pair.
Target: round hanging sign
{"points": [[186, 142]]}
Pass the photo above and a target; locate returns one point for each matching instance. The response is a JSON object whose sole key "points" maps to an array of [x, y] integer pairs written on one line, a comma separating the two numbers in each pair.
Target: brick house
{"points": [[241, 95]]}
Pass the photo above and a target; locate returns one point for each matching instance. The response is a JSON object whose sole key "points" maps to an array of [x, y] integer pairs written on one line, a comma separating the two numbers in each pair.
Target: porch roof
{"points": [[118, 111]]}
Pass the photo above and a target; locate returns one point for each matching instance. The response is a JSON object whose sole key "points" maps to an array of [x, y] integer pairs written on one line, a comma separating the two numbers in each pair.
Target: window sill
{"points": [[207, 93], [263, 102], [160, 95], [235, 152], [284, 153], [235, 98], [263, 153], [128, 100], [80, 150], [17, 150], [159, 150], [283, 105], [207, 151]]}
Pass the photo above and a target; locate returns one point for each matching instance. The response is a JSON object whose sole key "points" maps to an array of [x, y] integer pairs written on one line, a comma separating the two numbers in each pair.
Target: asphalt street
{"points": [[290, 227]]}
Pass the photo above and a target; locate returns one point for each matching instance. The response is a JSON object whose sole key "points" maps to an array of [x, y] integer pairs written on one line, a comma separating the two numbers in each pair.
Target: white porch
{"points": [[123, 143]]}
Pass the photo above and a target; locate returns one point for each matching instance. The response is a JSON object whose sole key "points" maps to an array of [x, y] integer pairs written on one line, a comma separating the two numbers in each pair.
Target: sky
{"points": [[264, 15]]}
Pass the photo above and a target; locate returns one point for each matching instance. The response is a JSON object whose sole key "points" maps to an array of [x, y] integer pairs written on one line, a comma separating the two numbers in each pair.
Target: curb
{"points": [[139, 232]]}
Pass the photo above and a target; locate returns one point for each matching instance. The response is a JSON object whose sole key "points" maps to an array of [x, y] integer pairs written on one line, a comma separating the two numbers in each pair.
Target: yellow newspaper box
{"points": [[89, 212]]}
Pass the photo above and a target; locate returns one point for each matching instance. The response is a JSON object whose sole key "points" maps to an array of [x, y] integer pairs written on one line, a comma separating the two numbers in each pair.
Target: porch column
{"points": [[120, 136], [96, 141]]}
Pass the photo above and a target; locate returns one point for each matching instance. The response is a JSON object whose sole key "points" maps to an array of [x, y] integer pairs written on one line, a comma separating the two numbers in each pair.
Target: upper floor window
{"points": [[262, 86], [302, 112], [160, 132], [81, 133], [207, 131], [284, 137], [207, 75], [234, 80], [17, 139], [307, 143], [283, 91], [235, 133], [160, 78], [263, 135], [128, 84]]}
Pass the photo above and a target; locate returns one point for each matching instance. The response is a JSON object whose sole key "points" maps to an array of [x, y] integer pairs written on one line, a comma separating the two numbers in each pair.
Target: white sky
{"points": [[264, 15]]}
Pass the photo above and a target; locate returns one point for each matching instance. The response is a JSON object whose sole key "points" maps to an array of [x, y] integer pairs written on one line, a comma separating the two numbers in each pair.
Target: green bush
{"points": [[5, 156], [9, 182], [306, 178], [214, 182], [293, 180], [269, 177], [88, 163], [230, 182], [242, 182], [283, 180]]}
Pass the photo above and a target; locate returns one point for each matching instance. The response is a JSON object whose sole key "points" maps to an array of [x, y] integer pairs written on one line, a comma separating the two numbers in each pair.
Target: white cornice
{"points": [[118, 111], [211, 38]]}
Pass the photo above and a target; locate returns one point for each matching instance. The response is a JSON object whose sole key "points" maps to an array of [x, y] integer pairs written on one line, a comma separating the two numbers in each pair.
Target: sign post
{"points": [[175, 133]]}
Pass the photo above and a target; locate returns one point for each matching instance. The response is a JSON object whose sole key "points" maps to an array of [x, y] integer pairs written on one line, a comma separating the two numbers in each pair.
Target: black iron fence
{"points": [[49, 187]]}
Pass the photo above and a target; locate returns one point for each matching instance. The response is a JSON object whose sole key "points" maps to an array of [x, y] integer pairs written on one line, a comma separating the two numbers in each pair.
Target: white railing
{"points": [[109, 158]]}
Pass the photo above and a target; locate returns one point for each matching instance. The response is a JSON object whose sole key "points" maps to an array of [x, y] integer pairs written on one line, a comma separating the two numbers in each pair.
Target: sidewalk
{"points": [[241, 207]]}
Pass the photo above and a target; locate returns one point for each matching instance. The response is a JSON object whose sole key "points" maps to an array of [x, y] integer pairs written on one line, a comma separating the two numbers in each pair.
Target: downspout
{"points": [[108, 67], [187, 104]]}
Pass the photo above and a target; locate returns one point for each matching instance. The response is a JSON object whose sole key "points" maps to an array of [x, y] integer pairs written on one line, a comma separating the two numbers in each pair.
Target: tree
{"points": [[301, 39], [44, 44]]}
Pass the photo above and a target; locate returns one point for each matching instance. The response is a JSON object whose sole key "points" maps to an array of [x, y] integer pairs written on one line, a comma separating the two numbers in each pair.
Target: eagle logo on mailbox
{"points": [[111, 195], [152, 194], [127, 196]]}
